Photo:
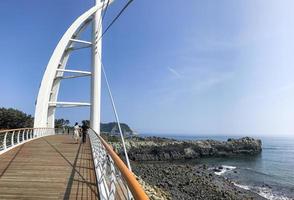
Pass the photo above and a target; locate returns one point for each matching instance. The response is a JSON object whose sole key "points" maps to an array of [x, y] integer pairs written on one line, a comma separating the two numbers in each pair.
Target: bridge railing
{"points": [[114, 179], [15, 137]]}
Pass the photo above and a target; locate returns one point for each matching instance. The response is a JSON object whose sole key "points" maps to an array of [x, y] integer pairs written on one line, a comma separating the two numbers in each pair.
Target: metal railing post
{"points": [[22, 135], [25, 135], [12, 138], [37, 132], [18, 133], [4, 142]]}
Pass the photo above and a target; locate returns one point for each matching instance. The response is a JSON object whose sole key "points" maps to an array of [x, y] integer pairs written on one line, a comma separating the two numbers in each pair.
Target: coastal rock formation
{"points": [[190, 182], [152, 191], [160, 149]]}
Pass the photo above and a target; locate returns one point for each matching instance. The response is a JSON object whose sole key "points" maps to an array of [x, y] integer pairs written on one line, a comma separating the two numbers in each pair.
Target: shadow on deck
{"points": [[52, 167]]}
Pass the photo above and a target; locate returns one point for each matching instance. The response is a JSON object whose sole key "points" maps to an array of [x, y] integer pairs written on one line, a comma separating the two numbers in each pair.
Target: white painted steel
{"points": [[9, 141], [69, 77], [68, 104], [96, 70], [96, 101], [49, 88], [81, 41], [44, 116], [74, 71]]}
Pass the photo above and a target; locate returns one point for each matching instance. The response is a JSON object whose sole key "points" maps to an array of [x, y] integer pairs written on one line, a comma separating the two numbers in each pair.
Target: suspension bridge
{"points": [[45, 163]]}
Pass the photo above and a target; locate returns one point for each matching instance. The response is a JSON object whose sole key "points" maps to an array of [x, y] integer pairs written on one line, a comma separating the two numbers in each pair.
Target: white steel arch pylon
{"points": [[48, 92]]}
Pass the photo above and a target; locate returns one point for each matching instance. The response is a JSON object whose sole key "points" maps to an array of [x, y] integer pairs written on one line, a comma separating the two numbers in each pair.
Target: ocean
{"points": [[270, 174]]}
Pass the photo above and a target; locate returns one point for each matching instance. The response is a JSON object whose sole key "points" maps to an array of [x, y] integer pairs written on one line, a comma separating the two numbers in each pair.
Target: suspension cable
{"points": [[115, 113], [101, 18], [117, 16], [107, 4]]}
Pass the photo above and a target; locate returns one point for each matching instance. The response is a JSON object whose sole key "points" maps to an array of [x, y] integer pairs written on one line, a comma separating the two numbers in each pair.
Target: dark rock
{"points": [[181, 182], [161, 149], [204, 166], [217, 170]]}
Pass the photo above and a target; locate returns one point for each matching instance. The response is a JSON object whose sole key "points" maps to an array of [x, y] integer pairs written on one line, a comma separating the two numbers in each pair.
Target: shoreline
{"points": [[187, 181], [169, 165]]}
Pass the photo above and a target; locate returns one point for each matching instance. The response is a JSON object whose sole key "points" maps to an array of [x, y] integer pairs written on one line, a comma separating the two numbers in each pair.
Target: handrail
{"points": [[19, 129], [114, 179], [12, 138], [133, 184]]}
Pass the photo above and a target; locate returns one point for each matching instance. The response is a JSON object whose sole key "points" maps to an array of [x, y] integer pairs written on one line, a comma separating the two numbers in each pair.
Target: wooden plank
{"points": [[52, 167]]}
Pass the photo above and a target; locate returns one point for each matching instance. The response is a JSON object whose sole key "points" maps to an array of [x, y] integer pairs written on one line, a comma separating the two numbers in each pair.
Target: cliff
{"points": [[159, 149]]}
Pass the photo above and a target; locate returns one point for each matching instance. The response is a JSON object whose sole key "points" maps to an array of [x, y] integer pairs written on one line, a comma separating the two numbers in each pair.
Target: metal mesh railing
{"points": [[11, 138], [114, 179]]}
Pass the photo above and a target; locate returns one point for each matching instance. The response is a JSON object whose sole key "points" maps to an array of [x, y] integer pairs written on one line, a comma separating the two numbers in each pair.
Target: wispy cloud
{"points": [[191, 82], [174, 72]]}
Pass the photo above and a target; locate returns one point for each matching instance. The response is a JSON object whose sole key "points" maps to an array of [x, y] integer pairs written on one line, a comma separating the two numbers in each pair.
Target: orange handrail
{"points": [[134, 186]]}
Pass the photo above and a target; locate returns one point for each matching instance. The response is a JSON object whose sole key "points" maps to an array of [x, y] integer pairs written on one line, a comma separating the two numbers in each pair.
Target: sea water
{"points": [[270, 174]]}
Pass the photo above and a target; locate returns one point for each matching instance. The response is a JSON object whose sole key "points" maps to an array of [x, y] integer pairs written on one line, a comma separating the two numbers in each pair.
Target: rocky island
{"points": [[160, 164]]}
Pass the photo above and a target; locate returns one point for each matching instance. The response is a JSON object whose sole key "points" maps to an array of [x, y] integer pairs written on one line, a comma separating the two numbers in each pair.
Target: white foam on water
{"points": [[229, 167], [268, 194], [245, 187], [221, 172], [264, 192], [224, 169]]}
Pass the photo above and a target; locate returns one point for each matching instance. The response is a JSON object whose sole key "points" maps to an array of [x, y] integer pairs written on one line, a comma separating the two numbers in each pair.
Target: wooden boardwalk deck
{"points": [[52, 167]]}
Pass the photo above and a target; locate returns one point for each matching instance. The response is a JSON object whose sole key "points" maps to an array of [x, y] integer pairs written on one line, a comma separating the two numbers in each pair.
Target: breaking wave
{"points": [[264, 192], [224, 169]]}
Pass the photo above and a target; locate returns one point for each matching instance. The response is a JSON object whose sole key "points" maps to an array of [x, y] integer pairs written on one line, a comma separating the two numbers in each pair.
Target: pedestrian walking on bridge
{"points": [[85, 128], [77, 132]]}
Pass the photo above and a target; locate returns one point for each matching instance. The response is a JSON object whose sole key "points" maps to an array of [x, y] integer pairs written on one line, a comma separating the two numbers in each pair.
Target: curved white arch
{"points": [[48, 91]]}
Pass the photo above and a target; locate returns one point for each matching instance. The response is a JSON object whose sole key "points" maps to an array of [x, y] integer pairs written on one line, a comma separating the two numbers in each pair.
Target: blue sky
{"points": [[189, 67]]}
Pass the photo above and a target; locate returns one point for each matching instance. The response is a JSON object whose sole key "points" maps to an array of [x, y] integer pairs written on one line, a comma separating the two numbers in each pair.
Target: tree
{"points": [[12, 118], [60, 123]]}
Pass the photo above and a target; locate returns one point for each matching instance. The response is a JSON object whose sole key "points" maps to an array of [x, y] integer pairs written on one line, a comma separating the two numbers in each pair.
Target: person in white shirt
{"points": [[77, 132]]}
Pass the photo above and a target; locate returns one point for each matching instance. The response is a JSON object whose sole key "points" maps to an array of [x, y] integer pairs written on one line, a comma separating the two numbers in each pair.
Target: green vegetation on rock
{"points": [[112, 128]]}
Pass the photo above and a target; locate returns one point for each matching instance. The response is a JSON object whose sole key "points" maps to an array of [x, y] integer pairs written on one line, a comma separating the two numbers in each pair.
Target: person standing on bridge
{"points": [[85, 128], [77, 132]]}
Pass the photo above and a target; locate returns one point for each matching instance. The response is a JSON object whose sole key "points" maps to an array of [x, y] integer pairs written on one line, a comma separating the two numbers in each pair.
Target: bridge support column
{"points": [[96, 70]]}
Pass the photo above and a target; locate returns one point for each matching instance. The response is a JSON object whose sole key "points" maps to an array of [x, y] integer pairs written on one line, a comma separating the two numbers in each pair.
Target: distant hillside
{"points": [[113, 128]]}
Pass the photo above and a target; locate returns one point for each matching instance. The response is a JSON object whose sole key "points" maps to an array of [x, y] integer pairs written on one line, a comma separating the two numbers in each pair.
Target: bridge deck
{"points": [[51, 167]]}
